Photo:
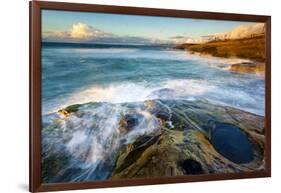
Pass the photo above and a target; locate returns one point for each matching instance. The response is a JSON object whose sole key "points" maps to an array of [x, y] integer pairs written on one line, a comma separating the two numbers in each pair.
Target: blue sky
{"points": [[131, 25]]}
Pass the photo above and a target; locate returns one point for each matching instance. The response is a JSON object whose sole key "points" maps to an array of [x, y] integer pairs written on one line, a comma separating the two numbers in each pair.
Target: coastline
{"points": [[249, 49], [234, 64]]}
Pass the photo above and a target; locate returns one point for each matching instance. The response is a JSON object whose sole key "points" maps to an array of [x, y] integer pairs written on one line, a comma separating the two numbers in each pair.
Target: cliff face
{"points": [[248, 48]]}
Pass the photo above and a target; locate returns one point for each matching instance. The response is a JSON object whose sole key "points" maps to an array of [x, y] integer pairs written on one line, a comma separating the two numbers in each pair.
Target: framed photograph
{"points": [[123, 96]]}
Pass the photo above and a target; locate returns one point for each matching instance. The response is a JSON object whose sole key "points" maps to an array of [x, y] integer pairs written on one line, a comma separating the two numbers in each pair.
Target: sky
{"points": [[89, 27]]}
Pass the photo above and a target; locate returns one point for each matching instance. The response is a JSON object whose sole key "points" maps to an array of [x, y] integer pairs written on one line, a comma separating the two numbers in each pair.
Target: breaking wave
{"points": [[186, 89]]}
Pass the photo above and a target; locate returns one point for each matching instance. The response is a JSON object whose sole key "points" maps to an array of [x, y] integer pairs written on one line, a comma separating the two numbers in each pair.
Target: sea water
{"points": [[80, 73]]}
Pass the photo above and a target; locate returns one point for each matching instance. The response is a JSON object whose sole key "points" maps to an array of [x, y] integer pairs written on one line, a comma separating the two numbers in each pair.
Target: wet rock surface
{"points": [[150, 139], [231, 142], [248, 67]]}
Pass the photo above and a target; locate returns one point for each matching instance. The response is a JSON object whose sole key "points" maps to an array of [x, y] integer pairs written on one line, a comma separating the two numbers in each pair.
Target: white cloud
{"points": [[78, 31], [84, 31]]}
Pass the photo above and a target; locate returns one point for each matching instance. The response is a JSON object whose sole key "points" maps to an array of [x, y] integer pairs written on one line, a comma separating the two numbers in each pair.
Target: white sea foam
{"points": [[187, 89], [114, 94], [94, 134], [132, 92], [212, 61]]}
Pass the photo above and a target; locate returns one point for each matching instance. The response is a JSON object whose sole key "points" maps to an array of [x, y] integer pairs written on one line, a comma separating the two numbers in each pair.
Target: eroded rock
{"points": [[194, 144], [248, 67], [153, 138]]}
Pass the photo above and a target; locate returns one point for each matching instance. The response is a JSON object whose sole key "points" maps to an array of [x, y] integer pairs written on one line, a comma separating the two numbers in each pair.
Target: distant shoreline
{"points": [[102, 44], [252, 48]]}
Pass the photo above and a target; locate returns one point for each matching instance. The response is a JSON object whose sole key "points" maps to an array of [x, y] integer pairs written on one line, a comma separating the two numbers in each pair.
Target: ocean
{"points": [[80, 73]]}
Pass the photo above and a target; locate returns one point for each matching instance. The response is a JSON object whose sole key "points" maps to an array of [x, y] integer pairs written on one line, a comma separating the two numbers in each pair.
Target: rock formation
{"points": [[153, 138]]}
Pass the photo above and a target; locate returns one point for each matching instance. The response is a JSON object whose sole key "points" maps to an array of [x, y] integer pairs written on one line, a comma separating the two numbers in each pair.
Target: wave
{"points": [[133, 92], [186, 89], [216, 62]]}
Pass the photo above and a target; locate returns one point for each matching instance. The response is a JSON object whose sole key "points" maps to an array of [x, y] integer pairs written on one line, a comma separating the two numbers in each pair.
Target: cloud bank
{"points": [[81, 32]]}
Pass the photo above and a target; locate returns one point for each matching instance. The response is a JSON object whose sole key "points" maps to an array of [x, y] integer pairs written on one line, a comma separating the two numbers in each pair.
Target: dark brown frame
{"points": [[35, 94]]}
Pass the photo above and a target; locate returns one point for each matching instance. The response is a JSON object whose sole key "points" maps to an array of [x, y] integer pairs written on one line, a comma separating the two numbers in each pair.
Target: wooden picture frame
{"points": [[36, 7]]}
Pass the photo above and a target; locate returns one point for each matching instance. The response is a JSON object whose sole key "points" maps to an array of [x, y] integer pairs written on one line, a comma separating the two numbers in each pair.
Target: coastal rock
{"points": [[252, 48], [248, 67], [148, 139], [190, 149], [70, 109], [128, 122], [184, 46]]}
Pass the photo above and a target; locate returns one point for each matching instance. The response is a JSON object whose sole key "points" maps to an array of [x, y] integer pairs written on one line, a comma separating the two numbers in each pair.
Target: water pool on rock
{"points": [[232, 143]]}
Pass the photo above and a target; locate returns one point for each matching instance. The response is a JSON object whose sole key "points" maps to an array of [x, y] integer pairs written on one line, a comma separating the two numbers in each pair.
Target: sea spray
{"points": [[90, 137]]}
